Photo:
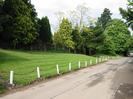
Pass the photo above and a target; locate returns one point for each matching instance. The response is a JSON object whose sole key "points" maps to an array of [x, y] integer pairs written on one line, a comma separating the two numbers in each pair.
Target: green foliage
{"points": [[104, 19], [23, 30], [99, 29], [45, 34], [77, 38], [128, 14], [98, 38], [1, 12], [116, 35], [87, 36], [65, 34], [57, 39], [19, 26]]}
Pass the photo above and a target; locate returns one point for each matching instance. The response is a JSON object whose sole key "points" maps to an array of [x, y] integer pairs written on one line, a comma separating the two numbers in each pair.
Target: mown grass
{"points": [[24, 64]]}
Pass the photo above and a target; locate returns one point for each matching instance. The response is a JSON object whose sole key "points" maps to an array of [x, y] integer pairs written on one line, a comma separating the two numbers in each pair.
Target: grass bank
{"points": [[24, 64]]}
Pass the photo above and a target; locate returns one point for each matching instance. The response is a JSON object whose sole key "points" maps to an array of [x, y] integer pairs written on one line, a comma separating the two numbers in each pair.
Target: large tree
{"points": [[65, 34], [116, 35], [87, 37], [3, 19], [100, 27], [128, 14], [20, 26], [104, 18], [77, 39], [1, 12], [45, 35], [1, 15]]}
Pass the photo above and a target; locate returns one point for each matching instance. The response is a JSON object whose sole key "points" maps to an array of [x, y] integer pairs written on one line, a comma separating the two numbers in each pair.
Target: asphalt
{"points": [[124, 78]]}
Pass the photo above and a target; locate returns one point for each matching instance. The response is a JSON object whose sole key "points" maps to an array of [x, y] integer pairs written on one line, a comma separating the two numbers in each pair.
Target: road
{"points": [[103, 81]]}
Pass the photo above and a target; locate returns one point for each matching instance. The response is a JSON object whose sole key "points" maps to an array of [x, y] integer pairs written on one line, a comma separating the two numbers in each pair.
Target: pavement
{"points": [[124, 78], [109, 80]]}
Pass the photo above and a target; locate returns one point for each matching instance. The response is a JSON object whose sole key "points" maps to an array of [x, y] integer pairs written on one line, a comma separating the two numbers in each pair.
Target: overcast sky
{"points": [[50, 7]]}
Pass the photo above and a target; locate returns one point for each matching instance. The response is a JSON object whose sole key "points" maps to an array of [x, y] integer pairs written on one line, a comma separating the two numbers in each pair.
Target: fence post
{"points": [[79, 64], [106, 58], [99, 60], [85, 63], [90, 62], [96, 60], [57, 67], [70, 66], [11, 77], [102, 59], [38, 72]]}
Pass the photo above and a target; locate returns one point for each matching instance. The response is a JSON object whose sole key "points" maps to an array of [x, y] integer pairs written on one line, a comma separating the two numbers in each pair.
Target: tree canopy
{"points": [[19, 26], [127, 14], [65, 34], [99, 28], [116, 35], [45, 34]]}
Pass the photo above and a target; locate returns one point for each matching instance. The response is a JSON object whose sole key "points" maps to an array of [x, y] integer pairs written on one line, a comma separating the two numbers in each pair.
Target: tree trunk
{"points": [[89, 51], [69, 50]]}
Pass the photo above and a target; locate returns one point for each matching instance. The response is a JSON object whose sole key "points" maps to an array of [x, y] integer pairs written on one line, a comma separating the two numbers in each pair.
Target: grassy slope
{"points": [[24, 64]]}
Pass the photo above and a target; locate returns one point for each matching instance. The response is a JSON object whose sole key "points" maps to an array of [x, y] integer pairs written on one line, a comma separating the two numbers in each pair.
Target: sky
{"points": [[50, 7]]}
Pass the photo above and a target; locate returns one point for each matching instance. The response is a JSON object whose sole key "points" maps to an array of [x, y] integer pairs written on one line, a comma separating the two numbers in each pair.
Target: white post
{"points": [[11, 77], [79, 64], [96, 60], [103, 59], [106, 58], [57, 67], [85, 63], [90, 62], [99, 60], [70, 66], [38, 72]]}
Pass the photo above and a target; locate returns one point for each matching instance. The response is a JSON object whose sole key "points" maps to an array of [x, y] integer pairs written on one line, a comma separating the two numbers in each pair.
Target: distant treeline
{"points": [[20, 28]]}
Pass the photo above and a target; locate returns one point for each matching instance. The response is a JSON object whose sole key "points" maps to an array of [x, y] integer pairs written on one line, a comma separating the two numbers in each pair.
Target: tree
{"points": [[65, 34], [32, 12], [104, 19], [45, 35], [20, 25], [116, 35], [99, 29], [1, 11], [5, 37], [1, 15], [128, 14], [87, 36], [77, 39], [80, 15], [57, 40], [59, 16]]}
